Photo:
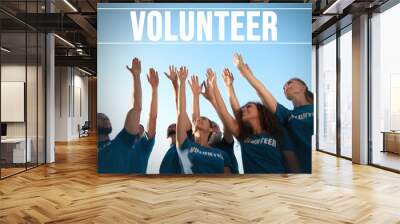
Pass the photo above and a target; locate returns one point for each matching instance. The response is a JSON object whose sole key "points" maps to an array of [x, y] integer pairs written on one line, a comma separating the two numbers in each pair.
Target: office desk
{"points": [[391, 141], [13, 150]]}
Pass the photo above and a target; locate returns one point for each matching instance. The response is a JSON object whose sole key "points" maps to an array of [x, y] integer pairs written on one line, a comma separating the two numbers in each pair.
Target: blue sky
{"points": [[272, 63]]}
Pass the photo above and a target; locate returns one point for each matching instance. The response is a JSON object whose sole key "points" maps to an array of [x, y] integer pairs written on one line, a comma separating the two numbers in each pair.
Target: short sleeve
{"points": [[224, 145], [183, 153], [282, 113], [186, 144], [126, 138], [149, 142]]}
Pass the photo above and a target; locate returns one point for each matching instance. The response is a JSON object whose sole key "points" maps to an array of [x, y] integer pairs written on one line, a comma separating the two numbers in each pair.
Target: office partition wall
{"points": [[22, 77]]}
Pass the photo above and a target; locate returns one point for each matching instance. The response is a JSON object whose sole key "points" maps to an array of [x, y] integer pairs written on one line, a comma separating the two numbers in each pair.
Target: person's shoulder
{"points": [[171, 150], [103, 144], [124, 135], [216, 149], [146, 138], [282, 107], [305, 108], [188, 142]]}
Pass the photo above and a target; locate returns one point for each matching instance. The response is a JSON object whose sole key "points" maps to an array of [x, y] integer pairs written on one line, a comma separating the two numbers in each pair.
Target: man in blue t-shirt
{"points": [[170, 163], [129, 151], [113, 155]]}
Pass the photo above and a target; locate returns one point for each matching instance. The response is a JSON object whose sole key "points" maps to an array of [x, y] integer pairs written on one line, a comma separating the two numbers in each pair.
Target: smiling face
{"points": [[294, 88], [249, 112], [202, 126]]}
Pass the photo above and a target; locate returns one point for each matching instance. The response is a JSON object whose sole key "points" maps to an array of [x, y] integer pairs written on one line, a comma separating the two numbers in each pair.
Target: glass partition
{"points": [[22, 64], [13, 103]]}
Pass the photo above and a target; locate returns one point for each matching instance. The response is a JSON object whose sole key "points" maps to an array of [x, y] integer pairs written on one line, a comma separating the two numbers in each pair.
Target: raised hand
{"points": [[227, 76], [136, 68], [182, 74], [195, 85], [243, 68], [208, 92], [211, 78], [173, 75], [152, 77]]}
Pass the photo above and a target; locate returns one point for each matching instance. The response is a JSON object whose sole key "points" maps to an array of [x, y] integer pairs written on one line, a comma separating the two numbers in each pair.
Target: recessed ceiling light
{"points": [[64, 40], [84, 71], [70, 5], [5, 50]]}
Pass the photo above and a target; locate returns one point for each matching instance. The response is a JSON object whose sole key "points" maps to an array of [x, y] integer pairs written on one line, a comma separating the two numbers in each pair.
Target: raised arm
{"points": [[152, 77], [229, 122], [182, 124], [133, 117], [265, 95], [228, 137], [196, 90], [173, 77], [228, 80]]}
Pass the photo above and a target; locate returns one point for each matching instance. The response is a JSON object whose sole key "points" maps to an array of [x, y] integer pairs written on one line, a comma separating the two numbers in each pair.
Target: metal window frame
{"points": [[381, 9], [339, 32], [389, 4]]}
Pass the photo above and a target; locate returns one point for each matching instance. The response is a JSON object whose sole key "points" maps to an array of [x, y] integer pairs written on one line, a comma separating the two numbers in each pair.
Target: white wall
{"points": [[70, 83], [13, 73], [33, 126]]}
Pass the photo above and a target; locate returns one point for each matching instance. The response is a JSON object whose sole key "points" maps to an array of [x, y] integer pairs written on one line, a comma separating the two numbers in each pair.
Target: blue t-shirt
{"points": [[261, 154], [170, 163], [300, 127], [203, 160], [141, 153], [115, 156], [286, 144], [228, 149]]}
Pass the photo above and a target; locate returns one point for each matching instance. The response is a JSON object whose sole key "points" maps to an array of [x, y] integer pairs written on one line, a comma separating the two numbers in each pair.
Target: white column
{"points": [[50, 92], [50, 100], [360, 90]]}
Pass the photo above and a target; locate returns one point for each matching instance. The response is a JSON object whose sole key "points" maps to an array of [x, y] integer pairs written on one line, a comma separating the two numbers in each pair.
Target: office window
{"points": [[385, 88], [346, 92], [327, 95]]}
